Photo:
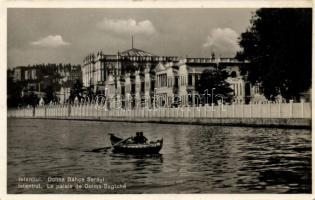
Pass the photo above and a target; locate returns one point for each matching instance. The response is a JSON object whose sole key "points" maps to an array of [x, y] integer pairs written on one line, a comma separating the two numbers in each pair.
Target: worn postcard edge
{"points": [[5, 4]]}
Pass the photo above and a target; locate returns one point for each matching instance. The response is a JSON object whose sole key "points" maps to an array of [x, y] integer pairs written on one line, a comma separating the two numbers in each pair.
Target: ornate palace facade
{"points": [[135, 77]]}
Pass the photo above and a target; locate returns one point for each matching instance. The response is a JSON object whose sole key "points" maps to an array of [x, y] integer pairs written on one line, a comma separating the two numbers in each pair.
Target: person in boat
{"points": [[139, 138]]}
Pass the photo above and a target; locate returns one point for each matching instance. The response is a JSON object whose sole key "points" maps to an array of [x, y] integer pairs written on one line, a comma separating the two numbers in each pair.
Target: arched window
{"points": [[233, 74]]}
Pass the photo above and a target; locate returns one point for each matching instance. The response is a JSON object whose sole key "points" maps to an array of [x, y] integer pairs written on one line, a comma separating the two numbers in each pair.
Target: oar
{"points": [[105, 148]]}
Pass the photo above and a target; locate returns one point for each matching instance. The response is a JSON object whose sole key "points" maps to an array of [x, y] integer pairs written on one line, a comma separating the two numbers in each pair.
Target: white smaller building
{"points": [[63, 94]]}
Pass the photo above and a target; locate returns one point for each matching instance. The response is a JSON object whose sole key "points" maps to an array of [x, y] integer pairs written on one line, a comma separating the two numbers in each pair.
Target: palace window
{"points": [[169, 82], [189, 79], [176, 81], [152, 85], [142, 87], [233, 74], [123, 90], [133, 88], [163, 80]]}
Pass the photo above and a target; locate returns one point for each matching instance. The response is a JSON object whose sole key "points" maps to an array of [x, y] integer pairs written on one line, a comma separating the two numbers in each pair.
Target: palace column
{"points": [[137, 88], [127, 91], [118, 93], [147, 86]]}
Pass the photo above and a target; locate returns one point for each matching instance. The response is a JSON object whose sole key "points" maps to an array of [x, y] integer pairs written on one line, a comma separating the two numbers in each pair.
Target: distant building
{"points": [[69, 74], [33, 72], [10, 74], [18, 73], [22, 73], [33, 77], [135, 76]]}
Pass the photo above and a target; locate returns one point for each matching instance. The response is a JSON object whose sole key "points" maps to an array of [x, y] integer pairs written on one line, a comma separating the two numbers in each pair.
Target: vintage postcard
{"points": [[145, 99]]}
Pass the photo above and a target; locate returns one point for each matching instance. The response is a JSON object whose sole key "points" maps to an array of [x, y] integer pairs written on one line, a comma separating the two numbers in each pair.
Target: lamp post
{"points": [[206, 96], [212, 95], [212, 104]]}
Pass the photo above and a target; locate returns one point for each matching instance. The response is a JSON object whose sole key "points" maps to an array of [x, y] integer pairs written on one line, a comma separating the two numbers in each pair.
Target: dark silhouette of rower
{"points": [[139, 138]]}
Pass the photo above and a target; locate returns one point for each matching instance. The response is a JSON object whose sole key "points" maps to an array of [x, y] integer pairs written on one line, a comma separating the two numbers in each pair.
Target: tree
{"points": [[215, 78], [31, 98], [14, 90], [278, 46], [50, 94], [76, 91]]}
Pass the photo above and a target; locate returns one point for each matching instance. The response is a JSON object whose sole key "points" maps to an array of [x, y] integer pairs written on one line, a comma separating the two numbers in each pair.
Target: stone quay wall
{"points": [[262, 114]]}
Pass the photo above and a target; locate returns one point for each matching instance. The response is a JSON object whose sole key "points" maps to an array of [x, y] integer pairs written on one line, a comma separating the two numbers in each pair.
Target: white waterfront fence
{"points": [[257, 110]]}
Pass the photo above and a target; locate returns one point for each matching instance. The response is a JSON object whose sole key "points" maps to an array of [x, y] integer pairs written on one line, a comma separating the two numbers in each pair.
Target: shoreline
{"points": [[292, 123]]}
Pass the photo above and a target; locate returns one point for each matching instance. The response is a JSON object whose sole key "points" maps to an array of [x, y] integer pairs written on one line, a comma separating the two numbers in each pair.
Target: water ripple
{"points": [[194, 159]]}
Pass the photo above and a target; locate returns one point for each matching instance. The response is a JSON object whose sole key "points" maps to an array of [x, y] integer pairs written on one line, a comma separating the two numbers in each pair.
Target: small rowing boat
{"points": [[129, 147]]}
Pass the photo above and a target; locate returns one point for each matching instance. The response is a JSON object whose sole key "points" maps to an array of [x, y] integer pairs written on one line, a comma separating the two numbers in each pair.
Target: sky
{"points": [[64, 35]]}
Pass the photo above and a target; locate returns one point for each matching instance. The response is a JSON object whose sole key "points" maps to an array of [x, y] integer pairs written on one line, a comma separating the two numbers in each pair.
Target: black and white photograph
{"points": [[159, 100]]}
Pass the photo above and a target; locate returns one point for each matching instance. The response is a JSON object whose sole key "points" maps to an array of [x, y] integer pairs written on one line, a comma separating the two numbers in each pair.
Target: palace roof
{"points": [[136, 52]]}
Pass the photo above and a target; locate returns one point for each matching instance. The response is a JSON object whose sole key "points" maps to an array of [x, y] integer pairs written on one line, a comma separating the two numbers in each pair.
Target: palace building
{"points": [[134, 76]]}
